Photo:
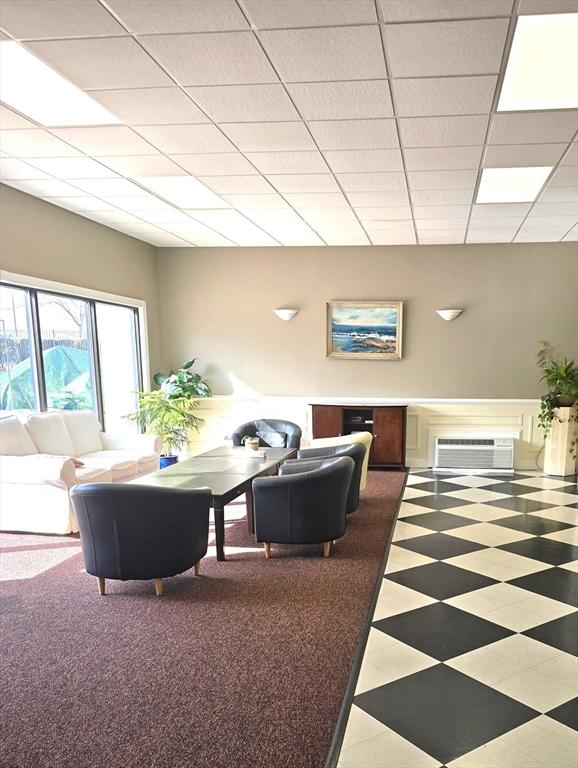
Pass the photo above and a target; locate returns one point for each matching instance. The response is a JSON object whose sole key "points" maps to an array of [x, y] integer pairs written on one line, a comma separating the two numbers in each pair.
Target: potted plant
{"points": [[251, 443], [558, 414], [169, 411]]}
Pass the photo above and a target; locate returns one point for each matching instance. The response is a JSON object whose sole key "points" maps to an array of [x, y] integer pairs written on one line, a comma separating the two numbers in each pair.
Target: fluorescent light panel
{"points": [[542, 69], [34, 89], [511, 185]]}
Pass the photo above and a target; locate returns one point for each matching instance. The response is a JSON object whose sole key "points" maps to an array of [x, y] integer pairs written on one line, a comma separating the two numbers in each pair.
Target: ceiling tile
{"points": [[442, 158], [363, 160], [185, 139], [555, 209], [215, 164], [313, 215], [342, 100], [105, 141], [164, 241], [256, 202], [566, 176], [306, 182], [392, 238], [245, 103], [143, 165], [288, 162], [377, 199], [45, 187], [237, 185], [389, 225], [442, 196], [74, 168], [447, 237], [533, 127], [150, 106], [142, 202], [101, 62], [183, 191], [446, 48], [441, 211], [317, 200], [121, 219], [264, 137], [395, 214], [550, 222], [504, 222], [448, 131], [444, 95], [346, 233], [433, 224], [536, 235], [559, 195], [287, 227], [234, 225], [431, 10], [372, 182], [442, 180], [28, 19], [521, 155], [12, 120], [572, 156], [490, 235], [167, 215], [151, 17], [199, 234], [329, 53], [572, 235], [499, 210], [16, 169], [79, 204], [221, 58], [109, 187], [35, 143], [355, 134], [528, 7], [296, 13]]}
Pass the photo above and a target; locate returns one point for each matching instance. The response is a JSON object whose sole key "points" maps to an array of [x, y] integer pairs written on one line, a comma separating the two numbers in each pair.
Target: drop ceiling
{"points": [[306, 122]]}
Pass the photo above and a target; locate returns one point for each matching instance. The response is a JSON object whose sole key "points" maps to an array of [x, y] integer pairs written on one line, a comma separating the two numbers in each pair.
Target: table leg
{"points": [[250, 511], [220, 531]]}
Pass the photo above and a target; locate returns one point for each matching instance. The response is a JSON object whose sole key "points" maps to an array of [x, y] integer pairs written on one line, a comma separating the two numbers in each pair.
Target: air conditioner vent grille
{"points": [[461, 441], [475, 454]]}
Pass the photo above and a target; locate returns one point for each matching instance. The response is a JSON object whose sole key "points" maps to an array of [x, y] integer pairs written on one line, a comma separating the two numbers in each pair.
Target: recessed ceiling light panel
{"points": [[542, 69], [511, 185], [37, 91]]}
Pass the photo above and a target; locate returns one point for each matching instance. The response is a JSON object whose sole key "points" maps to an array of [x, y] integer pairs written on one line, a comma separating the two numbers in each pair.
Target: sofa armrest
{"points": [[37, 469], [295, 466], [114, 441]]}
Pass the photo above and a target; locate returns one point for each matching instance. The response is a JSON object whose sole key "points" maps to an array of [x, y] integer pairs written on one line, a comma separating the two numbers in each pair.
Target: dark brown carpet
{"points": [[243, 667]]}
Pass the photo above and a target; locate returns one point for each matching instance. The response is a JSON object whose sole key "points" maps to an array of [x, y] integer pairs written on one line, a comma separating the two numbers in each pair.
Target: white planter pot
{"points": [[557, 457]]}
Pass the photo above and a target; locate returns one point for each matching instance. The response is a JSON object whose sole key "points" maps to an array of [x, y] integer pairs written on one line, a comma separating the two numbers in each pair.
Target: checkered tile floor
{"points": [[472, 657]]}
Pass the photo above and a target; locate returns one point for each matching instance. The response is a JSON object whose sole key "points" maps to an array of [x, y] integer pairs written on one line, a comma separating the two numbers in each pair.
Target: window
{"points": [[60, 352]]}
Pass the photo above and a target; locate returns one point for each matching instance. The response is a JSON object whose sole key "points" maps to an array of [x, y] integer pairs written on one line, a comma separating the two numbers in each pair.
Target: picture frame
{"points": [[364, 330]]}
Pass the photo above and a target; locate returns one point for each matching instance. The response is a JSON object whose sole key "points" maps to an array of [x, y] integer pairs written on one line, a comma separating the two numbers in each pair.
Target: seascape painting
{"points": [[364, 329]]}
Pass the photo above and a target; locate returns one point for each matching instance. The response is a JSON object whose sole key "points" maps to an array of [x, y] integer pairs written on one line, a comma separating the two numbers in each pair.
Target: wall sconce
{"points": [[449, 314], [286, 314]]}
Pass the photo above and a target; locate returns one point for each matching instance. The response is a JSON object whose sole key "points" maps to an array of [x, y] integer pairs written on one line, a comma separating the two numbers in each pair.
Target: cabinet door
{"points": [[388, 436], [327, 420]]}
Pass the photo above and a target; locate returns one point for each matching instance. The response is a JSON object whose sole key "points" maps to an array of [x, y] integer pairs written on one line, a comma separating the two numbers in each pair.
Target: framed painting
{"points": [[366, 330]]}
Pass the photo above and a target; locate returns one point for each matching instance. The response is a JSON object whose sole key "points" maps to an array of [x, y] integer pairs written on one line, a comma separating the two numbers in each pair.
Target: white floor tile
{"points": [[395, 598], [573, 566], [415, 479], [408, 531], [485, 665], [415, 493], [360, 726], [519, 617], [488, 534], [397, 660], [562, 514], [498, 564], [407, 509], [562, 668], [370, 677], [480, 495], [495, 754], [475, 481], [485, 513], [554, 745], [483, 601], [551, 497], [541, 482], [386, 750], [567, 536], [400, 559], [524, 650], [535, 690]]}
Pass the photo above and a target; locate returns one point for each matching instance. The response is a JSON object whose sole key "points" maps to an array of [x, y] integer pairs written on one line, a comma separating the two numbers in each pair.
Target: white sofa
{"points": [[366, 438], [46, 454]]}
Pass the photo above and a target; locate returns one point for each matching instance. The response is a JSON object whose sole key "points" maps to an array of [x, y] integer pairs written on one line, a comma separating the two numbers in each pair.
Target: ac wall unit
{"points": [[475, 456]]}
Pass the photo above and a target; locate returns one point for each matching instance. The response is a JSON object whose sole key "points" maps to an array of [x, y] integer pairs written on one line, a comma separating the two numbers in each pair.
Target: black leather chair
{"points": [[304, 504], [260, 427], [356, 451], [141, 532]]}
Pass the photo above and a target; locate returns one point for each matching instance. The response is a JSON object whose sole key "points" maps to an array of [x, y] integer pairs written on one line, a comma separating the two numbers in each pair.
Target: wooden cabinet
{"points": [[385, 422]]}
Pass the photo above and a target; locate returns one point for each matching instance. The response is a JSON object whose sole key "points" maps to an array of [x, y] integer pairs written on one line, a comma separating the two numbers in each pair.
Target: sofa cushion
{"points": [[14, 439], [49, 433], [84, 430], [272, 438], [120, 463]]}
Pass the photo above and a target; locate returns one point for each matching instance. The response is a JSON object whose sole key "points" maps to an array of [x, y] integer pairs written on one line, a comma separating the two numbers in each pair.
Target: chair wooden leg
{"points": [[197, 567], [267, 548], [159, 587], [326, 548], [101, 586]]}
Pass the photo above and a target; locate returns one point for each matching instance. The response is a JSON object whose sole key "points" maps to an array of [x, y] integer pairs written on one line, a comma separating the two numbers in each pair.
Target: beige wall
{"points": [[48, 242], [217, 305]]}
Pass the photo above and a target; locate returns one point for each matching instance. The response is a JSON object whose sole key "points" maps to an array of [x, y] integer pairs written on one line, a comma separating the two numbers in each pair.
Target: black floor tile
{"points": [[442, 631], [440, 580], [573, 488], [560, 633], [437, 520], [556, 583], [444, 712], [544, 550], [519, 504], [535, 524], [424, 473], [567, 714], [513, 489], [438, 501], [572, 506], [439, 546], [438, 486]]}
